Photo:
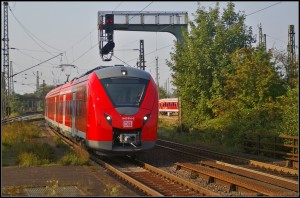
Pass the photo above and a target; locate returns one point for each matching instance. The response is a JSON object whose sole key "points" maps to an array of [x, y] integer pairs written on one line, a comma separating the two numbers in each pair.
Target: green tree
{"points": [[199, 63], [30, 101], [290, 112], [251, 79], [162, 93], [41, 93], [287, 69]]}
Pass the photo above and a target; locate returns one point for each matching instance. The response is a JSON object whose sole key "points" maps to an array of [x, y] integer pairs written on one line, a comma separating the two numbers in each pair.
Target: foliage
{"points": [[289, 105], [52, 188], [251, 80], [289, 70], [226, 86], [70, 158], [162, 93], [58, 142], [22, 133], [19, 138], [112, 191], [29, 101], [199, 62]]}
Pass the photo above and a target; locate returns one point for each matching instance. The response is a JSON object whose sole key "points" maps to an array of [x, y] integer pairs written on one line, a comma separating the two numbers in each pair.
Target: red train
{"points": [[168, 106], [109, 108]]}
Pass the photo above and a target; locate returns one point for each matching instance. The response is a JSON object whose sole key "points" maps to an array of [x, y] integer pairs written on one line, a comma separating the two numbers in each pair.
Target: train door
{"points": [[55, 109], [64, 109], [73, 113]]}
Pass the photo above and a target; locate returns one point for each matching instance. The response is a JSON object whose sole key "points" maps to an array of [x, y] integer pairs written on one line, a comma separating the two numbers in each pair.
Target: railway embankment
{"points": [[36, 163]]}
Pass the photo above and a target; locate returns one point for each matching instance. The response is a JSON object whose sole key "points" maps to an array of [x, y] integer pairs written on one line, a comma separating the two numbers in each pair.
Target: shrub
{"points": [[70, 158]]}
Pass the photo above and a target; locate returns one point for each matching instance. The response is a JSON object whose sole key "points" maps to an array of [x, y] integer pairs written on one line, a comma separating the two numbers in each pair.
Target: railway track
{"points": [[30, 117], [156, 182], [152, 181], [212, 155], [234, 178], [148, 179]]}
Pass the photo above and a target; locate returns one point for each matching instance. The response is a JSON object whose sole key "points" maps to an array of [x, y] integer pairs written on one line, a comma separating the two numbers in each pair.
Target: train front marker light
{"points": [[146, 118], [124, 72], [108, 118]]}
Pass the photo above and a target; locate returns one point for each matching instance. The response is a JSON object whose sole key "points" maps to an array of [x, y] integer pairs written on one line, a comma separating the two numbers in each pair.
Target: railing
{"points": [[276, 146]]}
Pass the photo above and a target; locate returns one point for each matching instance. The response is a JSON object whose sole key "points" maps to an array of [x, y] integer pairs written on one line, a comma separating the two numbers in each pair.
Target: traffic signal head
{"points": [[109, 23], [107, 48]]}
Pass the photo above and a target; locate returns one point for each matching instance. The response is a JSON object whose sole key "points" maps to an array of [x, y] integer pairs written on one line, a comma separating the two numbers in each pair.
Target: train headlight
{"points": [[146, 118], [124, 72], [108, 118]]}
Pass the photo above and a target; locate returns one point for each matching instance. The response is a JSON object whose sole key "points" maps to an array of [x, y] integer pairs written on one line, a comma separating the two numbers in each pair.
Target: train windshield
{"points": [[125, 91]]}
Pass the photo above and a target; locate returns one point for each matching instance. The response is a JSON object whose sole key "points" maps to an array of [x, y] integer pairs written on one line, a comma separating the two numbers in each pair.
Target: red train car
{"points": [[110, 108], [168, 106]]}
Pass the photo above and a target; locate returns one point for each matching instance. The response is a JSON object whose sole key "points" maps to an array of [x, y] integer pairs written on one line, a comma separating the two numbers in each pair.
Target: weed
{"points": [[112, 190], [12, 191], [58, 142], [52, 188], [70, 158], [28, 159]]}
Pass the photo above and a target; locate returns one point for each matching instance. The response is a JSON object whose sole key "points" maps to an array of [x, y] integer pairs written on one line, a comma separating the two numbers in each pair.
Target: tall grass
{"points": [[71, 158], [19, 142], [18, 137]]}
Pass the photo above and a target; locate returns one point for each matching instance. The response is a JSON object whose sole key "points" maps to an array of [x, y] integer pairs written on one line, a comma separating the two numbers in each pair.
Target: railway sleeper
{"points": [[239, 181]]}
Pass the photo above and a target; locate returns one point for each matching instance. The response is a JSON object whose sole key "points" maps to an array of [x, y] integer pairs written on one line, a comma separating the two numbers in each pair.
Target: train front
{"points": [[126, 110]]}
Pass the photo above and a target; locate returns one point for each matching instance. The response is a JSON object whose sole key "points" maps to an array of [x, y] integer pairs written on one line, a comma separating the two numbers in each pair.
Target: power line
{"points": [[85, 52], [122, 61], [142, 10], [152, 51], [118, 5], [150, 34], [27, 32], [35, 65], [263, 8]]}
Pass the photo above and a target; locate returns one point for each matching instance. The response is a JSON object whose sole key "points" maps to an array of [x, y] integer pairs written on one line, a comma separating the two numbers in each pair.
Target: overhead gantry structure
{"points": [[108, 21]]}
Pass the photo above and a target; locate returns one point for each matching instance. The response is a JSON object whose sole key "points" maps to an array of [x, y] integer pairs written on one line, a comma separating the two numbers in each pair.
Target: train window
{"points": [[78, 107], [125, 91], [67, 108]]}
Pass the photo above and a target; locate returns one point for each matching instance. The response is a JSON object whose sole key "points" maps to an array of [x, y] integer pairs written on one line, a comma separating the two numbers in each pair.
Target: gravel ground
{"points": [[165, 160]]}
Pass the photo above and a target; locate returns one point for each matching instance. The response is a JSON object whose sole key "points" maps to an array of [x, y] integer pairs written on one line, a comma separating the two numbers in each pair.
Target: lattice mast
{"points": [[6, 84]]}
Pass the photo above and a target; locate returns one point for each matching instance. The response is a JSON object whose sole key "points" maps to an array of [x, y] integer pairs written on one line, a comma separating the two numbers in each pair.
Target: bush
{"points": [[70, 158], [28, 159], [290, 113]]}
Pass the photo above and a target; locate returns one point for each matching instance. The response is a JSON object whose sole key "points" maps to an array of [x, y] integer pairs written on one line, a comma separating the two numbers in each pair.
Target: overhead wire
{"points": [[117, 5], [152, 51], [142, 9], [31, 35], [85, 52], [263, 8]]}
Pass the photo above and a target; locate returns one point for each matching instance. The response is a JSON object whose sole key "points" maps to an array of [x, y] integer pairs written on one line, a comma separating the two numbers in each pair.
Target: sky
{"points": [[39, 31]]}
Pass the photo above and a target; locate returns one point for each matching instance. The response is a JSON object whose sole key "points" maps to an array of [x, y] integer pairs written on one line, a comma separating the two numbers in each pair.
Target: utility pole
{"points": [[291, 44], [43, 96], [37, 81], [11, 79], [142, 55], [262, 40], [157, 83], [291, 73], [5, 87], [265, 42], [260, 35]]}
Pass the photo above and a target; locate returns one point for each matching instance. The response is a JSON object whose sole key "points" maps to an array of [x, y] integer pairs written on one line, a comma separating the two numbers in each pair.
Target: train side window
{"points": [[78, 107], [67, 107]]}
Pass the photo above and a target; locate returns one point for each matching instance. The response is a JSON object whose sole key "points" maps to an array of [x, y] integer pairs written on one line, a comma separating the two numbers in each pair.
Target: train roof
{"points": [[168, 100], [107, 72], [116, 71]]}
